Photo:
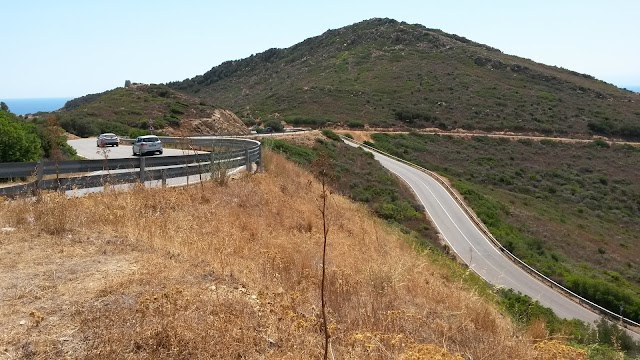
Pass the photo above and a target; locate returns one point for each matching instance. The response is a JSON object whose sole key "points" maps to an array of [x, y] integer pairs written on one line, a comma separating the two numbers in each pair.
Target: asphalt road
{"points": [[474, 248], [87, 148]]}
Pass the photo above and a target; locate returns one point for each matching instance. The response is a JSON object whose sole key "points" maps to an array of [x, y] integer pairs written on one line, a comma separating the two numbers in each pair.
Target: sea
{"points": [[32, 106]]}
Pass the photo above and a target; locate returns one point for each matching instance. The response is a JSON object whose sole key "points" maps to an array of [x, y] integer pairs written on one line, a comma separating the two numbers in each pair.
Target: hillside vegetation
{"points": [[171, 283], [574, 218], [127, 111], [381, 72], [24, 140], [356, 174]]}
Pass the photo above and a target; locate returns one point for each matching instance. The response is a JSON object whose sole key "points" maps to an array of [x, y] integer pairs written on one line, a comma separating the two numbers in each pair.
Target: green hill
{"points": [[381, 72], [127, 111]]}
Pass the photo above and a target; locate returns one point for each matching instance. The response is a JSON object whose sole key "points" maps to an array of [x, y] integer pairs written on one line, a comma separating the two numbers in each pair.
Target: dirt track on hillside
{"points": [[362, 135]]}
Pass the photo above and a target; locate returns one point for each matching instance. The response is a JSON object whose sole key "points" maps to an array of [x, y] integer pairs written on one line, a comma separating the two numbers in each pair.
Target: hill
{"points": [[573, 219], [127, 111], [384, 73], [171, 283]]}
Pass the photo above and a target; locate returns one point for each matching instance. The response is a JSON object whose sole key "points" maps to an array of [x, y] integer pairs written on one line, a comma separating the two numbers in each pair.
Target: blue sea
{"points": [[32, 106]]}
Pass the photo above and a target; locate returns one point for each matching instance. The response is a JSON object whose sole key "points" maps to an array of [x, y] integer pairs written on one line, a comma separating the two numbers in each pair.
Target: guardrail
{"points": [[628, 323], [241, 152]]}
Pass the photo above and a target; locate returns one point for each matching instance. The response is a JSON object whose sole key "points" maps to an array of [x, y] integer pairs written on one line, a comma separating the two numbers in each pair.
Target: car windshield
{"points": [[108, 135], [150, 139]]}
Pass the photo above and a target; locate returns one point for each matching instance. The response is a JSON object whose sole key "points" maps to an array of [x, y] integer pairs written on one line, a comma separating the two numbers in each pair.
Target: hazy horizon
{"points": [[23, 106]]}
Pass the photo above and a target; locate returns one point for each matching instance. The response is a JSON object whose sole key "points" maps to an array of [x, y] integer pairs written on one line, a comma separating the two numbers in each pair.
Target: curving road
{"points": [[87, 149], [473, 247]]}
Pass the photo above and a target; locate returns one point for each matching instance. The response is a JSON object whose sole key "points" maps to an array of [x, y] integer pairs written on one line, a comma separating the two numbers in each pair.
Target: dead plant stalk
{"points": [[325, 232]]}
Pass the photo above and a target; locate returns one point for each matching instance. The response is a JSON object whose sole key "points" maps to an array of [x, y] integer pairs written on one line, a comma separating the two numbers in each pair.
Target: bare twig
{"points": [[325, 231]]}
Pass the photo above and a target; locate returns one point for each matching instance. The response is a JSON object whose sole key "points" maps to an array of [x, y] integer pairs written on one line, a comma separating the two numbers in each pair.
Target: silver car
{"points": [[148, 144], [107, 139]]}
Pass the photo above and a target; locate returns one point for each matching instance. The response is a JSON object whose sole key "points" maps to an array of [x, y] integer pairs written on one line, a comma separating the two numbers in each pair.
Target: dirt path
{"points": [[365, 135]]}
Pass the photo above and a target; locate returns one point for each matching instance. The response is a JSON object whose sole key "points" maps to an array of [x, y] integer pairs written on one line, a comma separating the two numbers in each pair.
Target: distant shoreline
{"points": [[34, 105]]}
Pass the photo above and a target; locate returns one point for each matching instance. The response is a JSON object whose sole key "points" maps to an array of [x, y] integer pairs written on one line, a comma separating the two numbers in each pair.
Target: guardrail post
{"points": [[39, 174], [164, 178], [260, 163], [142, 169], [247, 160]]}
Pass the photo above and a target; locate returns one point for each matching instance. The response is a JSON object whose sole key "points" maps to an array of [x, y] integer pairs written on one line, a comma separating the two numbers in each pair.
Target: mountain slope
{"points": [[195, 274], [387, 73], [127, 111]]}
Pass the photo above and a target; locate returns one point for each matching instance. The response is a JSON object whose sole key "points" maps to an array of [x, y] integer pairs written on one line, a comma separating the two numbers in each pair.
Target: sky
{"points": [[69, 48]]}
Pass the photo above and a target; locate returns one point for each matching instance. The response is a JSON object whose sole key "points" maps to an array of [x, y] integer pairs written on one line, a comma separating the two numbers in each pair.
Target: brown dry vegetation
{"points": [[229, 272]]}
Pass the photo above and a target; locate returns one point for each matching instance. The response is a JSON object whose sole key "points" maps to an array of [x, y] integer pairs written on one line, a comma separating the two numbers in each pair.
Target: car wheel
{"points": [[117, 145], [160, 152]]}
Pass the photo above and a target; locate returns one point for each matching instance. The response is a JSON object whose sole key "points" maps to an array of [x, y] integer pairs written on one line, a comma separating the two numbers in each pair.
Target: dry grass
{"points": [[229, 272]]}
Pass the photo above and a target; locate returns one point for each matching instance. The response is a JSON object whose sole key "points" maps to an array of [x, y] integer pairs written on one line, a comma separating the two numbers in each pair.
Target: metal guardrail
{"points": [[628, 323], [241, 152]]}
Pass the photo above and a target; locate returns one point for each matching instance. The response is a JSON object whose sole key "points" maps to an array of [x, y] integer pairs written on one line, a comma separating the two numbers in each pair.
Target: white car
{"points": [[107, 139], [148, 144]]}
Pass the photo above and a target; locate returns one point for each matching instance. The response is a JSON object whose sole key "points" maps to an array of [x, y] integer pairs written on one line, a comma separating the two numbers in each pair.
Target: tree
{"points": [[20, 141], [275, 125], [4, 106]]}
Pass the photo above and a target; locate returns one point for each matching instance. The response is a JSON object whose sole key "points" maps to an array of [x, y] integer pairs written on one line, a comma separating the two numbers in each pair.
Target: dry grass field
{"points": [[233, 272]]}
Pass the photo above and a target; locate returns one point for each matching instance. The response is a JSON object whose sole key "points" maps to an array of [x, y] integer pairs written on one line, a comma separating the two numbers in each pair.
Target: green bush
{"points": [[173, 121], [79, 127], [134, 133], [299, 154], [397, 211], [307, 121], [249, 122], [331, 135], [355, 124], [607, 294], [275, 125], [525, 310], [52, 137], [176, 110], [601, 143], [19, 142]]}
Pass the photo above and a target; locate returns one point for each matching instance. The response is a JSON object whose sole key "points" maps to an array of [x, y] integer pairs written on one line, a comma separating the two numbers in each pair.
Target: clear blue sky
{"points": [[69, 48]]}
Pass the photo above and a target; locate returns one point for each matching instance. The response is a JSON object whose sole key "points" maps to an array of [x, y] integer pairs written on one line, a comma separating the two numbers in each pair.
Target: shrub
{"points": [[20, 142], [80, 127], [331, 135], [299, 154], [355, 124], [601, 143], [397, 211], [134, 133], [249, 121], [173, 121], [275, 125], [308, 121]]}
